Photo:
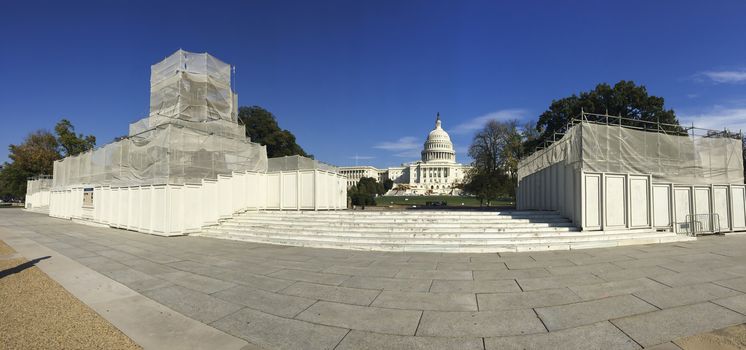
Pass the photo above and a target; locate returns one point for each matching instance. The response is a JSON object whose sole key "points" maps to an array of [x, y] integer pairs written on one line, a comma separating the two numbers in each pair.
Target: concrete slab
{"points": [[588, 312], [145, 321], [601, 335], [479, 286], [434, 274], [526, 300], [479, 324], [274, 332], [665, 325], [426, 301], [511, 274], [685, 295], [308, 276], [358, 340], [557, 281], [382, 283], [332, 293], [613, 288], [736, 303], [196, 282], [196, 305], [252, 280], [269, 302], [373, 319]]}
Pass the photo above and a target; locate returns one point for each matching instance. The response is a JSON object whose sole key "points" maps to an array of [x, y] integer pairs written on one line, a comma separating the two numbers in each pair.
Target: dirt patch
{"points": [[37, 313], [730, 338], [5, 249]]}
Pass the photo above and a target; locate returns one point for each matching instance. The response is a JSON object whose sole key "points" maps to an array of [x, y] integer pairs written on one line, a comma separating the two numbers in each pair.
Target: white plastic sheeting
{"points": [[192, 86], [288, 163], [668, 158], [609, 177], [167, 154], [37, 192]]}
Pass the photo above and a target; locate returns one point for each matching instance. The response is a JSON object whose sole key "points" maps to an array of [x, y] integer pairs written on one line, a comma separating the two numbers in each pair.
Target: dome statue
{"points": [[438, 147]]}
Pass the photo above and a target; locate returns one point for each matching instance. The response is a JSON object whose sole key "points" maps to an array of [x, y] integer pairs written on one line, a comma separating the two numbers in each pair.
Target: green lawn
{"points": [[453, 201]]}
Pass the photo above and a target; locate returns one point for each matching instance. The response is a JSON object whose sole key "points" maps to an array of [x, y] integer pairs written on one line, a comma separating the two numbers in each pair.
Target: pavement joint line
{"points": [[193, 332], [380, 291], [484, 346], [625, 333], [646, 302], [299, 312], [726, 287], [418, 323], [669, 286], [341, 340], [725, 307], [540, 320]]}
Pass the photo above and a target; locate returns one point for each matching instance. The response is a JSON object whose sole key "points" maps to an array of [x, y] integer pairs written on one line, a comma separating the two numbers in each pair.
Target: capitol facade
{"points": [[436, 173]]}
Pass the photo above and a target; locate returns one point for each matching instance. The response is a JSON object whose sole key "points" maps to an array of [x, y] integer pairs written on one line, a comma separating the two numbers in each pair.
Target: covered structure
{"points": [[188, 163], [605, 173]]}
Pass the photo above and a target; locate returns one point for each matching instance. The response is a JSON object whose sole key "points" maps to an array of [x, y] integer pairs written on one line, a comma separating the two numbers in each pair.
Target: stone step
{"points": [[424, 235], [438, 240], [394, 220], [467, 247], [356, 214], [395, 229], [382, 225]]}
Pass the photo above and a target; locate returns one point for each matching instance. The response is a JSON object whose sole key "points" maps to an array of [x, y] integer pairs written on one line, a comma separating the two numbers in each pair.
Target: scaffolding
{"points": [[670, 153]]}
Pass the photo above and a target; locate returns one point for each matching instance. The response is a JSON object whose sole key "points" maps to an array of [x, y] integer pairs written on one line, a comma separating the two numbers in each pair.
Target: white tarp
{"points": [[668, 158]]}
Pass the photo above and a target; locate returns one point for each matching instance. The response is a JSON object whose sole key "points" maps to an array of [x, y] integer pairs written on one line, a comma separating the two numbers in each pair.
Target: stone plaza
{"points": [[195, 292]]}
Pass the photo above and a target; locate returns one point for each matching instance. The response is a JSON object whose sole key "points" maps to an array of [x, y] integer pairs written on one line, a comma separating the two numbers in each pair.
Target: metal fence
{"points": [[697, 224]]}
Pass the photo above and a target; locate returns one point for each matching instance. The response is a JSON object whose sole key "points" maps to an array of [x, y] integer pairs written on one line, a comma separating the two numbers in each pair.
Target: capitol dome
{"points": [[438, 147]]}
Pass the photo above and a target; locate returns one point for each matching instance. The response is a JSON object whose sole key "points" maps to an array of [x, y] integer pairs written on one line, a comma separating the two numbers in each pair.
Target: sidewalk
{"points": [[234, 294]]}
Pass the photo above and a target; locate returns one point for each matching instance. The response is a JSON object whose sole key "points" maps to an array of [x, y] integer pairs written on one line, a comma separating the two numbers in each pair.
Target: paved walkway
{"points": [[302, 298]]}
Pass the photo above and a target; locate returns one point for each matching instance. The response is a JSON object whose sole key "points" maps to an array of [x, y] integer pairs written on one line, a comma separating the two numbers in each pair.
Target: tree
{"points": [[364, 192], [70, 143], [624, 99], [261, 126], [388, 184], [34, 156], [496, 150]]}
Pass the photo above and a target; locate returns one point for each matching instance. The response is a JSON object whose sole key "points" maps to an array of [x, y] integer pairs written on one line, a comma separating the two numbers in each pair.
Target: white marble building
{"points": [[436, 173]]}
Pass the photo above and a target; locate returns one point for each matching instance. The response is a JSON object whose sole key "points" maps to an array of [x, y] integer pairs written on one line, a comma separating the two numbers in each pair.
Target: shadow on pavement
{"points": [[21, 267]]}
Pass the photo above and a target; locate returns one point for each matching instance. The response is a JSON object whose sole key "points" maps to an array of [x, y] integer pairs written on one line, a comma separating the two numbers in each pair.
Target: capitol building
{"points": [[436, 173]]}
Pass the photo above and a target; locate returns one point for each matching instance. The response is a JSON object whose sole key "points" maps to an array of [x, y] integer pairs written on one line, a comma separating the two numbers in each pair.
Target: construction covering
{"points": [[191, 133], [290, 163], [675, 158], [192, 86], [167, 154]]}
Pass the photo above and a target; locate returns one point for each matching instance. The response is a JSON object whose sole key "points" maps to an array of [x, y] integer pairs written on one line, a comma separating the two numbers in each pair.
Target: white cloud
{"points": [[402, 144], [405, 147], [732, 76], [717, 118], [361, 157], [477, 123]]}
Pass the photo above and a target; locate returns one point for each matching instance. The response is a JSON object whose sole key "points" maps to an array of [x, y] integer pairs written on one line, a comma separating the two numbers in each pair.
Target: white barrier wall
{"points": [[556, 187], [609, 201], [626, 201], [179, 209]]}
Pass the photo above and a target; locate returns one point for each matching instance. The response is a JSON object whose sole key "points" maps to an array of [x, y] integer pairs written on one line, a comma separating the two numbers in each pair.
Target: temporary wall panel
{"points": [[662, 206], [179, 209], [639, 201], [738, 207], [720, 206], [615, 202], [682, 207], [592, 201]]}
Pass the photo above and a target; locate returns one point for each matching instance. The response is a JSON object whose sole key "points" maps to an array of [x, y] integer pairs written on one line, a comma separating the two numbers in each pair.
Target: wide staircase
{"points": [[425, 231]]}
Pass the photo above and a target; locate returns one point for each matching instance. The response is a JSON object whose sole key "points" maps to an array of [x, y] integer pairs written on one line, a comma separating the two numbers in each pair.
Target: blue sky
{"points": [[366, 78]]}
